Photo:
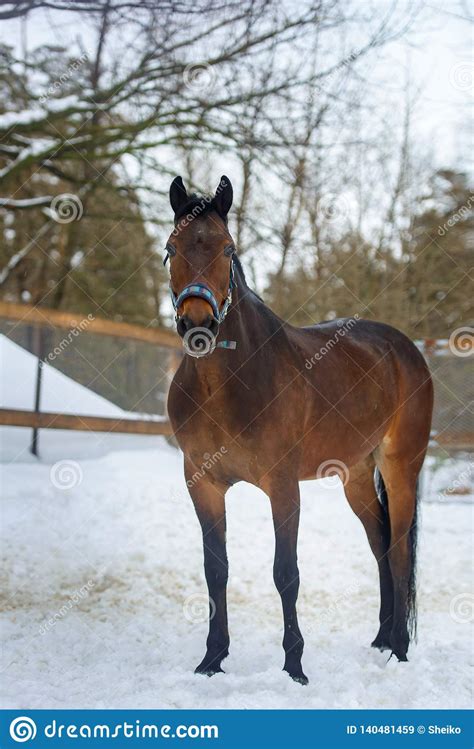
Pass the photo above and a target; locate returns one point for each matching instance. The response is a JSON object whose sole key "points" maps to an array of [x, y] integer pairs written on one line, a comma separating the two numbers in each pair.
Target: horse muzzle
{"points": [[199, 341], [196, 326], [185, 325]]}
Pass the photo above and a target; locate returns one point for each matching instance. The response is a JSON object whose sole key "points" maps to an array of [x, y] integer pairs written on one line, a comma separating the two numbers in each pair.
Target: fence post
{"points": [[38, 349]]}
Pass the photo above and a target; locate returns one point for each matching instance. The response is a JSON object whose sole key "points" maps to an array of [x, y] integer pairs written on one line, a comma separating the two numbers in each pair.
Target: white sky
{"points": [[436, 56]]}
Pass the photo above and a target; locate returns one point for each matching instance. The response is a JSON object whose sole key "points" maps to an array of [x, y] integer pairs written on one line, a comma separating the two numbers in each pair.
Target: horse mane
{"points": [[241, 277]]}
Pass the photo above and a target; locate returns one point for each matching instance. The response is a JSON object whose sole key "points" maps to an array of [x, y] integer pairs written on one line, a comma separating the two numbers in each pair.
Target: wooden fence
{"points": [[41, 318]]}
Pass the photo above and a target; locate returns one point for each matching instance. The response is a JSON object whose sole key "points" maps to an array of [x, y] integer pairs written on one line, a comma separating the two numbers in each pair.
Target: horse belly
{"points": [[346, 433]]}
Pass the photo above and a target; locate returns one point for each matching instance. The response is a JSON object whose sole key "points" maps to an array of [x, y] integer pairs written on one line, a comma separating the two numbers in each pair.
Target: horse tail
{"points": [[413, 545], [412, 542]]}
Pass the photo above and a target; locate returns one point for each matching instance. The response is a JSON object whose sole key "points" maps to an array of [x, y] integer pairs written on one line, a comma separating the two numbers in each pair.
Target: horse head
{"points": [[200, 249]]}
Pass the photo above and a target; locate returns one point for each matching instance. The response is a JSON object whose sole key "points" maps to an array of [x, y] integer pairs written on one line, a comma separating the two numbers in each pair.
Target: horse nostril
{"points": [[184, 324], [211, 323]]}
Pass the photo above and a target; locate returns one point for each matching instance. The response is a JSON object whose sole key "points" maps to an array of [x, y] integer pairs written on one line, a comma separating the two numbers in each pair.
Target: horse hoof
{"points": [[208, 669], [402, 657], [299, 677], [399, 647], [302, 679], [381, 643]]}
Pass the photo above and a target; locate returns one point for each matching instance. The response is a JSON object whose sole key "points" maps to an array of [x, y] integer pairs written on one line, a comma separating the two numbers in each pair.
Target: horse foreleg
{"points": [[209, 503], [285, 502]]}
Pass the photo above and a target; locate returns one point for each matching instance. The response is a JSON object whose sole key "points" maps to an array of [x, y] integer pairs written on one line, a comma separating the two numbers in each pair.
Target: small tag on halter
{"points": [[227, 344]]}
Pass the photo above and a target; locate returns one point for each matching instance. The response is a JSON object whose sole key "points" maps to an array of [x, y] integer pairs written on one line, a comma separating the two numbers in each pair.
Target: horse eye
{"points": [[229, 250], [170, 252]]}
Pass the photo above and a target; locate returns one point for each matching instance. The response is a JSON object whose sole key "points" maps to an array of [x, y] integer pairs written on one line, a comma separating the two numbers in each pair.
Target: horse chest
{"points": [[224, 416]]}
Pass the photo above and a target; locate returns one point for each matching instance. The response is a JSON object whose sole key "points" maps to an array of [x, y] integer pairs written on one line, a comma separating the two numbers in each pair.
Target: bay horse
{"points": [[278, 404]]}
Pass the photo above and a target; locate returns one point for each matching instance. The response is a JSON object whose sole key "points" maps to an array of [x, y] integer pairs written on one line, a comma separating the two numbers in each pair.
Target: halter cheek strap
{"points": [[202, 291]]}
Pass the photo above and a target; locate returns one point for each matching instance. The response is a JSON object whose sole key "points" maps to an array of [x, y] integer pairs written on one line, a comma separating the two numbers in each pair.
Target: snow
{"points": [[38, 147], [26, 117], [26, 202], [34, 116], [126, 535], [446, 480], [104, 599], [59, 394]]}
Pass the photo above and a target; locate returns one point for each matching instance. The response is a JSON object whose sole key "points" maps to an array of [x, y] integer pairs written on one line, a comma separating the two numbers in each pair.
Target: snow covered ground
{"points": [[104, 600], [59, 394], [114, 562]]}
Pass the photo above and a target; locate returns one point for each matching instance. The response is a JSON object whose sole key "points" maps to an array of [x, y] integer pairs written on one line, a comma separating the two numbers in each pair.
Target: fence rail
{"points": [[452, 430], [42, 420], [29, 315], [454, 440], [42, 318]]}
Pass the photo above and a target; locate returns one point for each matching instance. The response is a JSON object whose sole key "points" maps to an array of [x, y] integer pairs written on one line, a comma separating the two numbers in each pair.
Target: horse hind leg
{"points": [[400, 478], [399, 458], [372, 511]]}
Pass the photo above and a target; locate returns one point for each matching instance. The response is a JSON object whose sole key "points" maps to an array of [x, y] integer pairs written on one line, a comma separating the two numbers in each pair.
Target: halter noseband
{"points": [[202, 291]]}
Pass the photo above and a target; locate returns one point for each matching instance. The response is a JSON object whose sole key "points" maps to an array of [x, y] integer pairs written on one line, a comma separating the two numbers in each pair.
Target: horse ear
{"points": [[178, 194], [223, 197]]}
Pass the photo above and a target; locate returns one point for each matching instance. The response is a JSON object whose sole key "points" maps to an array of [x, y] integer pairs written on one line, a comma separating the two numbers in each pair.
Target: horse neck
{"points": [[249, 322]]}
